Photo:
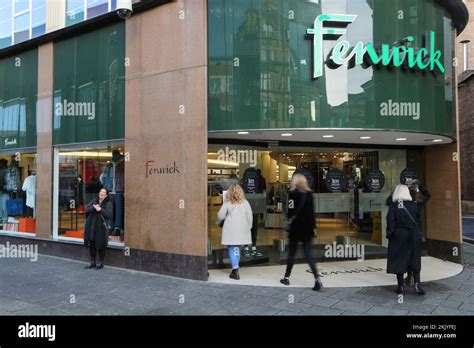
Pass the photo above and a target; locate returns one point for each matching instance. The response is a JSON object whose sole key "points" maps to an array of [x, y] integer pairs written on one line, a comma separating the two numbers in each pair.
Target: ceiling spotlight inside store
{"points": [[401, 139], [437, 140], [365, 138], [287, 135], [328, 136], [242, 133]]}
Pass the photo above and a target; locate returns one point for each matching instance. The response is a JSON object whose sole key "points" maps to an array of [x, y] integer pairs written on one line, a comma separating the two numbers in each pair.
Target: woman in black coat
{"points": [[99, 213], [405, 238], [302, 229]]}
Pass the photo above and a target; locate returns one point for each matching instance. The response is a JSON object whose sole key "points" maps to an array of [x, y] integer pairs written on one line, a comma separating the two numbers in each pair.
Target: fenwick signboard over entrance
{"points": [[333, 26]]}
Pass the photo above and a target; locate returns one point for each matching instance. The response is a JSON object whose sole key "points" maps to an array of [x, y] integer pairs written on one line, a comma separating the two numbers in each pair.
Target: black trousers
{"points": [[293, 246], [254, 229], [416, 276], [93, 252]]}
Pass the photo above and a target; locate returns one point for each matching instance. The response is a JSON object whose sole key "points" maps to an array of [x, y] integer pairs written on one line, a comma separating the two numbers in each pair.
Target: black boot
{"points": [[235, 274], [92, 265], [100, 265], [285, 280], [418, 289], [318, 285], [401, 289]]}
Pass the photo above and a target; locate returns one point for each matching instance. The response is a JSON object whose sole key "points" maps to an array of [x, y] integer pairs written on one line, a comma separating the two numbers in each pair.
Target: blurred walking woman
{"points": [[302, 229], [236, 217], [99, 213], [405, 238]]}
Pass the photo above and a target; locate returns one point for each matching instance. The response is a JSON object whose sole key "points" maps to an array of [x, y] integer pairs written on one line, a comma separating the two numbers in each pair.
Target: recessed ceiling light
{"points": [[287, 135], [328, 136], [365, 138], [401, 139], [437, 140], [242, 133]]}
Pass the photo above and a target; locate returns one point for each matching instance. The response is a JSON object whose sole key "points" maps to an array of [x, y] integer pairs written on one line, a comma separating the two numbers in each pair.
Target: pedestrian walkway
{"points": [[53, 286], [336, 274]]}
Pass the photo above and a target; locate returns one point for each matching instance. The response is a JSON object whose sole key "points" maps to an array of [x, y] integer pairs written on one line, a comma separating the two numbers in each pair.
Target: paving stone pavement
{"points": [[53, 286]]}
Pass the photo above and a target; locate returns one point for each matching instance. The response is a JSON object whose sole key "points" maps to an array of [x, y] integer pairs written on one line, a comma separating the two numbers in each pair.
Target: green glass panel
{"points": [[89, 87], [261, 67], [18, 99]]}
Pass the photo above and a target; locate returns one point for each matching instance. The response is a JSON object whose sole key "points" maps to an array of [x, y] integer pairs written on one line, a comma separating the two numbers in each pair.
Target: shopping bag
{"points": [[15, 207]]}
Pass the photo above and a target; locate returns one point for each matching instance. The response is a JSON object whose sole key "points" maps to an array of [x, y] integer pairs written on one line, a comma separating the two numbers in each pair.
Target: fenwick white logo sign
{"points": [[333, 26]]}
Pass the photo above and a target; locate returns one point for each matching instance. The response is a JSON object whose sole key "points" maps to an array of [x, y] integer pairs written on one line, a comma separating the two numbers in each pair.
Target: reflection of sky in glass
{"points": [[341, 82]]}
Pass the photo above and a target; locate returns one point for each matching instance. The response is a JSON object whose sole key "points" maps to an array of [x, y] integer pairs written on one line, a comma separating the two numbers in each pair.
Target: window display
{"points": [[18, 192], [82, 174]]}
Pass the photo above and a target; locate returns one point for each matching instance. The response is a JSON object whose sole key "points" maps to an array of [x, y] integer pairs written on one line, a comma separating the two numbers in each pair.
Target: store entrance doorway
{"points": [[350, 188]]}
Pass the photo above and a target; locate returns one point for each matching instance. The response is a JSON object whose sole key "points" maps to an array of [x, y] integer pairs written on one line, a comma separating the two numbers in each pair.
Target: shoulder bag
{"points": [[108, 228], [289, 222], [221, 224], [412, 219]]}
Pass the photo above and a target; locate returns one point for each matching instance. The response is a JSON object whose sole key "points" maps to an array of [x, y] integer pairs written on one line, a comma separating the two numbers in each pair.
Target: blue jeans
{"points": [[3, 204], [234, 255]]}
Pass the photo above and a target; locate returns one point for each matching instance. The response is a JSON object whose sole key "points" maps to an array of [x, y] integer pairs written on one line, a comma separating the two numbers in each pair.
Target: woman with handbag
{"points": [[300, 226], [405, 238], [235, 218], [97, 228]]}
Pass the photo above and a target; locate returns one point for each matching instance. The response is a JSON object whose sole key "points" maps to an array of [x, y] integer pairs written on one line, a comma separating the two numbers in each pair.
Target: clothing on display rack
{"points": [[29, 186], [113, 180], [3, 196], [11, 178]]}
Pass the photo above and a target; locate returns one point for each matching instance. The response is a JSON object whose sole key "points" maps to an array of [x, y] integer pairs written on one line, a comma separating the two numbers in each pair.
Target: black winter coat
{"points": [[302, 207], [405, 239], [94, 229]]}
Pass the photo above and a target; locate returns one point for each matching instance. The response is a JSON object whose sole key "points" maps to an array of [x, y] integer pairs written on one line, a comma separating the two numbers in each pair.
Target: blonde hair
{"points": [[300, 183], [401, 193], [235, 194]]}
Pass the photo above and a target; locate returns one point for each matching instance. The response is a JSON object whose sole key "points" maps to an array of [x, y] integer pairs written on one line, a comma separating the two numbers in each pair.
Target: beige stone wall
{"points": [[44, 186], [166, 122], [442, 180]]}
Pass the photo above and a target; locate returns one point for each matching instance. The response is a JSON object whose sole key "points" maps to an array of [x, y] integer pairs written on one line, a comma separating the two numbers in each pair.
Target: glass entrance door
{"points": [[350, 187]]}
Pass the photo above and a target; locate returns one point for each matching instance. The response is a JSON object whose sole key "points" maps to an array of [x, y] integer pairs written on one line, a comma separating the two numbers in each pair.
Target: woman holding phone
{"points": [[96, 234]]}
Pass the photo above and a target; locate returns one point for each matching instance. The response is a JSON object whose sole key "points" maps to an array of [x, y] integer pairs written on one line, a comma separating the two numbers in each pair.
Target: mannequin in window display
{"points": [[3, 196], [113, 180], [11, 177], [11, 180], [252, 183]]}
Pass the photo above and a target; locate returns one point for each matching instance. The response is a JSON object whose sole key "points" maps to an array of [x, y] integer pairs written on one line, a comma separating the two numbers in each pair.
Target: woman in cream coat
{"points": [[237, 216]]}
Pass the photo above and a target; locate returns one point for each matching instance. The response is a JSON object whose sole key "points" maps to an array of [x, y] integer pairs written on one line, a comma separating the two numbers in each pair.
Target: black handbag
{"points": [[287, 224], [108, 228], [423, 239]]}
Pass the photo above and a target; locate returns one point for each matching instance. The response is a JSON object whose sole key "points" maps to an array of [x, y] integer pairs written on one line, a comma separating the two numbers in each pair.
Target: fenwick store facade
{"points": [[172, 105]]}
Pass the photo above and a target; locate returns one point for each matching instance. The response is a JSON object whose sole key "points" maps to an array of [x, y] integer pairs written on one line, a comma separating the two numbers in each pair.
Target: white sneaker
{"points": [[246, 252]]}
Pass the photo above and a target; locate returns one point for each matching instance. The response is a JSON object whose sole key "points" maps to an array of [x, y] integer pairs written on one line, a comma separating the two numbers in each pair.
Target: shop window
{"points": [[18, 192], [97, 7], [80, 10], [21, 6], [82, 174], [38, 18], [5, 25], [22, 28]]}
